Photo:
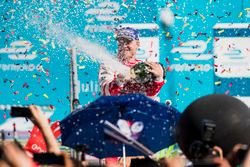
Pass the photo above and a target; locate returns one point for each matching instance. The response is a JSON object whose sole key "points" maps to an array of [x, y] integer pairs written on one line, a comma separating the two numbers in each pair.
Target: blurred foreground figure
{"points": [[211, 127], [12, 154]]}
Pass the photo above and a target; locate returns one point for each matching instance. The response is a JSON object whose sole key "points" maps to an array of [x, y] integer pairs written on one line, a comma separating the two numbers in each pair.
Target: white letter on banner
{"points": [[192, 50]]}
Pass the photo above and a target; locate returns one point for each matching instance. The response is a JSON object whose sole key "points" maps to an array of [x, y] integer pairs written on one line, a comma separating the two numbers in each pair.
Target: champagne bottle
{"points": [[141, 74]]}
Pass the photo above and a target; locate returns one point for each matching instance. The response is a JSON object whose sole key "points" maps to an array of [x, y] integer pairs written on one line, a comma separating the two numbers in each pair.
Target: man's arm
{"points": [[153, 88], [14, 156], [109, 83], [42, 123]]}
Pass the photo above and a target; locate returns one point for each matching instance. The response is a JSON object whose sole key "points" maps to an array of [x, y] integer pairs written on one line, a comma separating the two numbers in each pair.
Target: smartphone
{"points": [[20, 112], [48, 159]]}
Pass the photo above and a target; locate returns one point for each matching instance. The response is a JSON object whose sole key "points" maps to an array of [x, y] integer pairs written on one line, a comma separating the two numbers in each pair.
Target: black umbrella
{"points": [[138, 118]]}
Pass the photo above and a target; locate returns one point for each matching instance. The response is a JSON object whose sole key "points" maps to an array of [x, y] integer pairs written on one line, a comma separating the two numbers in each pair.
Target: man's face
{"points": [[133, 46], [128, 47]]}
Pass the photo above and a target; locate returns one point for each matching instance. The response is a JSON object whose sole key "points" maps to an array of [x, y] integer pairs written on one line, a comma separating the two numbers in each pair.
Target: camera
{"points": [[208, 130], [201, 151]]}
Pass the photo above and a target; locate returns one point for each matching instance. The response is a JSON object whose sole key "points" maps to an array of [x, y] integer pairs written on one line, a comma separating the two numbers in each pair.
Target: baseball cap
{"points": [[128, 33]]}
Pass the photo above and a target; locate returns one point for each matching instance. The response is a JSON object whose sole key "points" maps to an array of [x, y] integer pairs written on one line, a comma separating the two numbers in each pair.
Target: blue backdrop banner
{"points": [[37, 43]]}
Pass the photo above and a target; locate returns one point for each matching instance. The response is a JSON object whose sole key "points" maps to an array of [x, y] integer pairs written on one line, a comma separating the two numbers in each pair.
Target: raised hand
{"points": [[156, 69]]}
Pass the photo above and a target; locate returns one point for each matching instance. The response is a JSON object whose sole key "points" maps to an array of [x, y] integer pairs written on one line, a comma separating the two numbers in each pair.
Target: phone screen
{"points": [[48, 159], [20, 112]]}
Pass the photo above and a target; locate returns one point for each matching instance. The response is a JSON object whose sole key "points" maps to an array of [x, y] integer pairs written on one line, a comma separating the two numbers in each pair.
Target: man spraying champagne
{"points": [[143, 77]]}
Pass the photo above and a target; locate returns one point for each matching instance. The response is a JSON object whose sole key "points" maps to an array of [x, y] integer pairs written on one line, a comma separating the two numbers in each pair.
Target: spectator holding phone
{"points": [[41, 122]]}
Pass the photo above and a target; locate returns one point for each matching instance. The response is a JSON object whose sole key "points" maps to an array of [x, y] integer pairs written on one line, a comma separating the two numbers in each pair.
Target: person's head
{"points": [[213, 120], [128, 42]]}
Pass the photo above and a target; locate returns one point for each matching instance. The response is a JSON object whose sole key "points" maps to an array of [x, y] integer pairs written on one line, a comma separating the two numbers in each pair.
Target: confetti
{"points": [[217, 83], [170, 5], [25, 85], [47, 59], [28, 95], [240, 14], [34, 52], [202, 17], [221, 31], [193, 34], [81, 59], [216, 39], [90, 20], [16, 92], [167, 60], [81, 67], [51, 107], [168, 102], [223, 71], [48, 81], [46, 96], [178, 17], [185, 25], [209, 39], [42, 69], [44, 41], [53, 45], [47, 72], [40, 9], [124, 5]]}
